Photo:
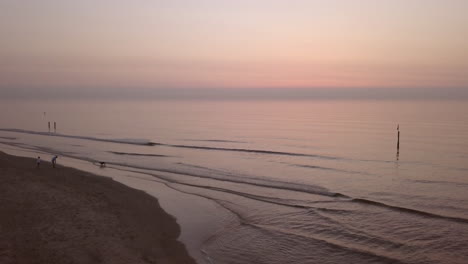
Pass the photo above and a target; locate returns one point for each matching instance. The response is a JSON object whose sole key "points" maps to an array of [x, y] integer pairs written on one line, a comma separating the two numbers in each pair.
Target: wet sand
{"points": [[64, 215]]}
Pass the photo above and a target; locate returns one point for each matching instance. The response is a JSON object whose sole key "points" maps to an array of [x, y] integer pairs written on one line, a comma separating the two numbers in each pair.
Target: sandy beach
{"points": [[64, 215]]}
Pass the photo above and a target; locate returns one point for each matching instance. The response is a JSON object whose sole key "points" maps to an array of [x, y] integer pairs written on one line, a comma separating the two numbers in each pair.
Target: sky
{"points": [[113, 45]]}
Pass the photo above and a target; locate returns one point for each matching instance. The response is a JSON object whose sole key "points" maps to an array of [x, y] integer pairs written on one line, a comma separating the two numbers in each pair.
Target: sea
{"points": [[259, 181]]}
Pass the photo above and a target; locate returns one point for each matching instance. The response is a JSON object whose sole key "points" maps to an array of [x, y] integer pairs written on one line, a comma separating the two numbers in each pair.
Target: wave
{"points": [[132, 141], [216, 140], [309, 189], [218, 175], [9, 138], [440, 182], [411, 211], [316, 190], [336, 244], [137, 154], [193, 166], [146, 142], [259, 182], [256, 151], [328, 169], [324, 192]]}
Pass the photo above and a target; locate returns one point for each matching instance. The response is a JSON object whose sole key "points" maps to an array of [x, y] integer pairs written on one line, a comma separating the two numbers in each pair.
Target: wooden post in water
{"points": [[398, 142]]}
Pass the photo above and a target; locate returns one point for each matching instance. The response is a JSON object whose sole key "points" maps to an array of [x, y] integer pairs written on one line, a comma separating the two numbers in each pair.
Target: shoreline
{"points": [[66, 215]]}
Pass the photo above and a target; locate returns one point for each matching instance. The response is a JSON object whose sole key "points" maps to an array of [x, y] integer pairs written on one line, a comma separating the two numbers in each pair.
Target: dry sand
{"points": [[63, 215]]}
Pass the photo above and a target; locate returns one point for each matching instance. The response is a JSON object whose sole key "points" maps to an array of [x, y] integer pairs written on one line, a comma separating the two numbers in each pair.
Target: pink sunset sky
{"points": [[234, 44]]}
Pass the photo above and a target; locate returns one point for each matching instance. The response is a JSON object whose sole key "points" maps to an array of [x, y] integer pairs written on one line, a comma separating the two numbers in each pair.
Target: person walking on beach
{"points": [[49, 126], [55, 127], [54, 161], [38, 162]]}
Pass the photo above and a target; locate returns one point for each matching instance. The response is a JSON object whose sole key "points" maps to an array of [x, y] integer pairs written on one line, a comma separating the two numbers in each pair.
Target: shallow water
{"points": [[303, 181]]}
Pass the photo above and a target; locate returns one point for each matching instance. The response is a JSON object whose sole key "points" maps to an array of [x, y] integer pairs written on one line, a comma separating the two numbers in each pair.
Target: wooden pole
{"points": [[398, 142]]}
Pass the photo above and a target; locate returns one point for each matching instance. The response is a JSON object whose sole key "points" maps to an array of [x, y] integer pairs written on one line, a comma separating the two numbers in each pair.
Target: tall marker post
{"points": [[398, 142]]}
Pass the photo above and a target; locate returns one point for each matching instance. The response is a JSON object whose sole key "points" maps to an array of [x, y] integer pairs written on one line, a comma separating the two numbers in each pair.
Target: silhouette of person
{"points": [[54, 161], [38, 162]]}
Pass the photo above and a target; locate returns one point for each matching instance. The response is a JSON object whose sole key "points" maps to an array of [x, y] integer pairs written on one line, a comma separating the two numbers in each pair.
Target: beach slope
{"points": [[64, 215]]}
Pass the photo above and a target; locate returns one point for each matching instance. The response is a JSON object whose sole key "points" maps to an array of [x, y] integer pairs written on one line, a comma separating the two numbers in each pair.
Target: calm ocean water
{"points": [[304, 181]]}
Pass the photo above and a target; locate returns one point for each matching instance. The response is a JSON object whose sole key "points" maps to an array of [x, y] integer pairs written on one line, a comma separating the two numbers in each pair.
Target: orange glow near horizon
{"points": [[239, 44]]}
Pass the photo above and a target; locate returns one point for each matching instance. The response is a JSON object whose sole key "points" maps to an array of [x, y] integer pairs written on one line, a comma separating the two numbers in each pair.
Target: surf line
{"points": [[144, 142]]}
